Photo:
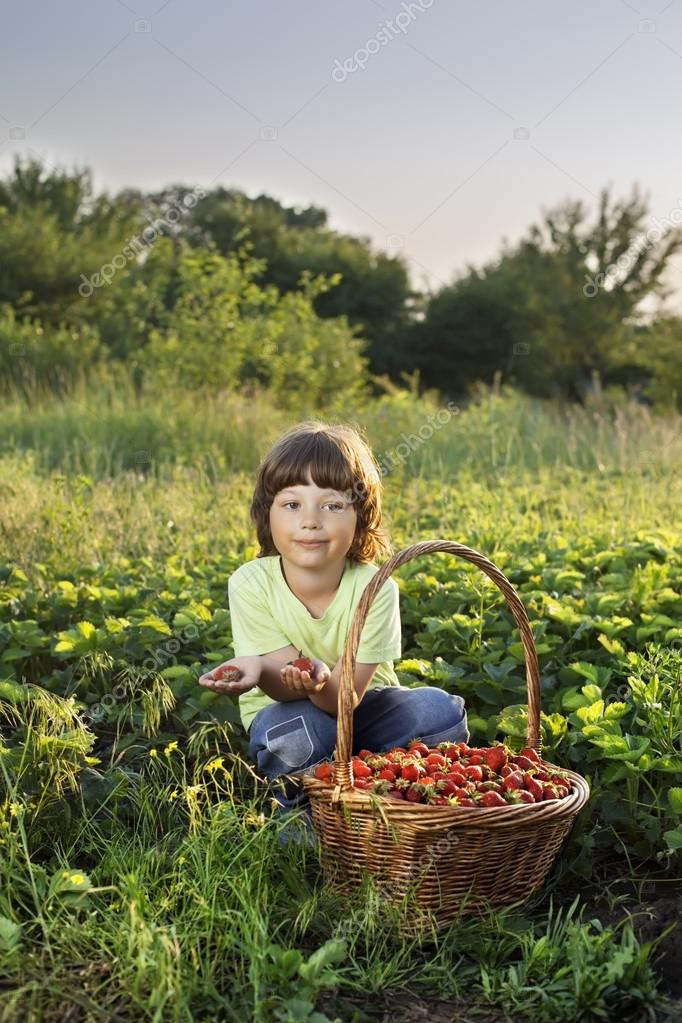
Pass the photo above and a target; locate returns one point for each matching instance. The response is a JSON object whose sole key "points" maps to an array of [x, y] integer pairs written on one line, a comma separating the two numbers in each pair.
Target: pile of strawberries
{"points": [[455, 774]]}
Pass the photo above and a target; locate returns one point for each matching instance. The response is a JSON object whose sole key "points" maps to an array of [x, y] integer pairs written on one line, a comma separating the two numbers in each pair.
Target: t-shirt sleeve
{"points": [[254, 629], [380, 639]]}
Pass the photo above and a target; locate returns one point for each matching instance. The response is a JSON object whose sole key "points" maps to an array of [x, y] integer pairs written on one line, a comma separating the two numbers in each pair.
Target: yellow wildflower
{"points": [[170, 747], [215, 764], [153, 753], [77, 879]]}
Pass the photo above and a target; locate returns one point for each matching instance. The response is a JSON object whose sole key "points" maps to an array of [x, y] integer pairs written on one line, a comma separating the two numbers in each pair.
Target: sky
{"points": [[435, 128]]}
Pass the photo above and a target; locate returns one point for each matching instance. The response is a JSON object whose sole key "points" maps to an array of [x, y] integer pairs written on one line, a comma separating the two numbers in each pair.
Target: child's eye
{"points": [[330, 504]]}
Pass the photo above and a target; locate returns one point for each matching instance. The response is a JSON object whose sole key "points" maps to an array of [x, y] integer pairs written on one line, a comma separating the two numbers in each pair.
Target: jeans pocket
{"points": [[290, 741]]}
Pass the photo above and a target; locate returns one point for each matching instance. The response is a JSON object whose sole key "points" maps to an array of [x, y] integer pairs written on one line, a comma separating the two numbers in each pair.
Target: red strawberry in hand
{"points": [[227, 673], [304, 664]]}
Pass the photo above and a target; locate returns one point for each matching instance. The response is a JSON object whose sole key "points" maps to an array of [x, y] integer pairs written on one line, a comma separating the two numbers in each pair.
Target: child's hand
{"points": [[301, 682], [250, 667]]}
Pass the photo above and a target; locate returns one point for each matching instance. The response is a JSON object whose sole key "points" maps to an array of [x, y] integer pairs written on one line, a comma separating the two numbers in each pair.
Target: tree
{"points": [[226, 331], [556, 307], [53, 233], [373, 291]]}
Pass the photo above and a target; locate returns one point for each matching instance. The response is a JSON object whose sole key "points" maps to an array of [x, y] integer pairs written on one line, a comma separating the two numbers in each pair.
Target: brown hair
{"points": [[337, 457]]}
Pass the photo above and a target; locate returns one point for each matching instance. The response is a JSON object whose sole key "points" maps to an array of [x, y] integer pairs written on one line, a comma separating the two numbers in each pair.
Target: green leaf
{"points": [[10, 936], [674, 838], [155, 624], [595, 673], [589, 715], [513, 721]]}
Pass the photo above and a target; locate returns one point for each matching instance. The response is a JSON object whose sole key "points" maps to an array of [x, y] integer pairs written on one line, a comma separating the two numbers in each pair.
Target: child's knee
{"points": [[444, 717]]}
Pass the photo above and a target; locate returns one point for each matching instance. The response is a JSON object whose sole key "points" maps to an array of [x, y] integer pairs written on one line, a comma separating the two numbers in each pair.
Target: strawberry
{"points": [[513, 781], [533, 786], [418, 747], [524, 763], [507, 770], [449, 750], [304, 664], [492, 799], [489, 786], [413, 794], [474, 772], [395, 794], [476, 758], [495, 757], [227, 673], [325, 772], [411, 770], [519, 796], [361, 769], [446, 786], [387, 774], [437, 800], [525, 796], [365, 753], [436, 760], [559, 779], [461, 801], [361, 783], [531, 753], [550, 791]]}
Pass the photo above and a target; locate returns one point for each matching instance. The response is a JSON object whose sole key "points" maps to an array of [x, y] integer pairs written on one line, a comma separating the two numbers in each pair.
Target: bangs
{"points": [[315, 455]]}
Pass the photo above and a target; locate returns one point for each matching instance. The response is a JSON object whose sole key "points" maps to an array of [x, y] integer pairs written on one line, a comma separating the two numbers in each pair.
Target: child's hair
{"points": [[337, 457]]}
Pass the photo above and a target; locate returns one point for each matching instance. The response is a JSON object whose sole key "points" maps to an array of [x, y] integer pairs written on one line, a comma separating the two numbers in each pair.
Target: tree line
{"points": [[212, 288]]}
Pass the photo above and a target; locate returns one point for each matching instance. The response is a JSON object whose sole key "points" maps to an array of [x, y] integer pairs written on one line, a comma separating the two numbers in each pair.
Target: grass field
{"points": [[141, 877]]}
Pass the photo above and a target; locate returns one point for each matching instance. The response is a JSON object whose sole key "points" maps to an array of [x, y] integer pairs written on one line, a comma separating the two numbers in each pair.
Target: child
{"points": [[317, 511]]}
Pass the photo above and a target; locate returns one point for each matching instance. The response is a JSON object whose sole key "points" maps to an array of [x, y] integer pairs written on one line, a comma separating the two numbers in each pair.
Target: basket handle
{"points": [[348, 659]]}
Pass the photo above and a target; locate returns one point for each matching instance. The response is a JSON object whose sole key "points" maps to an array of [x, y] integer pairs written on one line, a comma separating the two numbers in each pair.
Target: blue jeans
{"points": [[292, 737]]}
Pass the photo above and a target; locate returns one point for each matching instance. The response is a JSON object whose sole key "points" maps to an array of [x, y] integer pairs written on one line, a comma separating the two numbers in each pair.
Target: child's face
{"points": [[310, 513]]}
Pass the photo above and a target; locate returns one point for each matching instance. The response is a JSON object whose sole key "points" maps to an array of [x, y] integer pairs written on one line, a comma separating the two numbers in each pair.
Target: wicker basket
{"points": [[450, 859]]}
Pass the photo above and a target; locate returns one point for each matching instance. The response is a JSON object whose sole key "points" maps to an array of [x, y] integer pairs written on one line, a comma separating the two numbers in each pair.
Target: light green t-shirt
{"points": [[266, 616]]}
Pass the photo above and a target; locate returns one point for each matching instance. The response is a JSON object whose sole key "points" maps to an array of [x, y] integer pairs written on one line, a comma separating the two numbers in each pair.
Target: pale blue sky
{"points": [[417, 150]]}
